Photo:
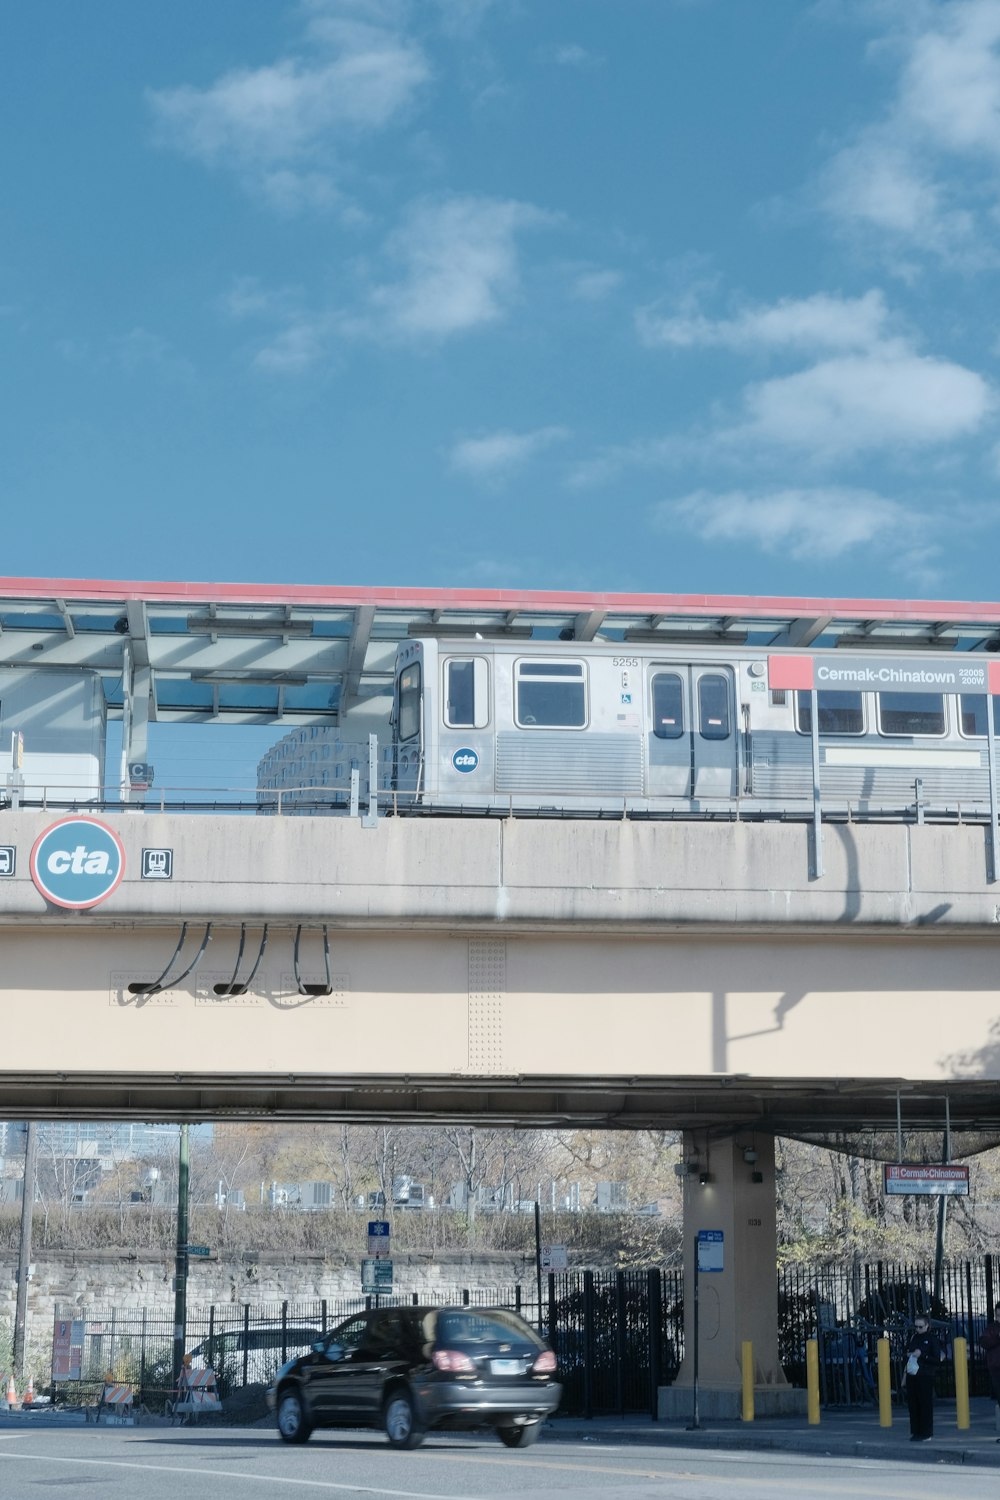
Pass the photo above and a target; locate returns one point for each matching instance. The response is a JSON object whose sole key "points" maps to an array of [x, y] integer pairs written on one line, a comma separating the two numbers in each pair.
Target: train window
{"points": [[550, 695], [911, 713], [973, 712], [839, 713], [409, 701], [465, 697], [713, 706], [668, 706]]}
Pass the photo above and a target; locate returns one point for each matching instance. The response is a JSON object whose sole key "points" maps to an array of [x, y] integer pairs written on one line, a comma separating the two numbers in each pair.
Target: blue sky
{"points": [[589, 294]]}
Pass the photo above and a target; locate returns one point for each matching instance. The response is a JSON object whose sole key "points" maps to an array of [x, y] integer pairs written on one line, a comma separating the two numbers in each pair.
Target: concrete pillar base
{"points": [[675, 1403]]}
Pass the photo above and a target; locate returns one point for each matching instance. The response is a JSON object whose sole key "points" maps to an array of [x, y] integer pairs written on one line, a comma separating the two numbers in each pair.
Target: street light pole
{"points": [[181, 1260], [24, 1256]]}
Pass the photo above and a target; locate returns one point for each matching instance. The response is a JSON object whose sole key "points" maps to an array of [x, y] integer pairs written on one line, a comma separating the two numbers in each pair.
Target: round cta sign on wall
{"points": [[77, 863]]}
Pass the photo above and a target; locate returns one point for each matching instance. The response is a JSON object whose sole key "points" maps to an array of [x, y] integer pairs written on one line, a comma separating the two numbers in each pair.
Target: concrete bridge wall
{"points": [[539, 873]]}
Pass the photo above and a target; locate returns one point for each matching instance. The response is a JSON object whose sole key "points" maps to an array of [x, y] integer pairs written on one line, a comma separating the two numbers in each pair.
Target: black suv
{"points": [[409, 1369]]}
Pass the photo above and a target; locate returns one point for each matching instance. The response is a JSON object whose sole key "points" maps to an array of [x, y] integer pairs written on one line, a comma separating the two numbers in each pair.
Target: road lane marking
{"points": [[800, 1484], [316, 1484]]}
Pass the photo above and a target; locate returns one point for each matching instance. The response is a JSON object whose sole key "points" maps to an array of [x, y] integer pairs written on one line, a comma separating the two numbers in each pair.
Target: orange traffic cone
{"points": [[11, 1393], [29, 1394]]}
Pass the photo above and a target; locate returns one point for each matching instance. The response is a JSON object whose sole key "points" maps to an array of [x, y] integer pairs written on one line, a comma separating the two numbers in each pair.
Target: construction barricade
{"points": [[115, 1403], [196, 1394]]}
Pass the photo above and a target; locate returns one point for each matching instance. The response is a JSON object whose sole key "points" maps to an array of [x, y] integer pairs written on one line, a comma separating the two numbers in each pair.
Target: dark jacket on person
{"points": [[990, 1341], [928, 1350]]}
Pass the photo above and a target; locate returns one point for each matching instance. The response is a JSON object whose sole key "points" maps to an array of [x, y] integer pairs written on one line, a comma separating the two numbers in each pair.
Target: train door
{"points": [[407, 722], [465, 742], [692, 738]]}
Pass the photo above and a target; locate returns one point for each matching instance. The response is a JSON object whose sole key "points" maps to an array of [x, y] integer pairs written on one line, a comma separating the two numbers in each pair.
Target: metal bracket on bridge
{"points": [[313, 989], [370, 818], [234, 987], [817, 869], [144, 991]]}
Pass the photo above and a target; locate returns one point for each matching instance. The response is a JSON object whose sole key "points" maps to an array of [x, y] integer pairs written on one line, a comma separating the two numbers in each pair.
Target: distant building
{"points": [[611, 1197], [311, 770], [107, 1140]]}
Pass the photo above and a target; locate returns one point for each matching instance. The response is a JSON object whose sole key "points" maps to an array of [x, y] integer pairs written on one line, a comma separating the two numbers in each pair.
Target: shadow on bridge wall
{"points": [[983, 1062]]}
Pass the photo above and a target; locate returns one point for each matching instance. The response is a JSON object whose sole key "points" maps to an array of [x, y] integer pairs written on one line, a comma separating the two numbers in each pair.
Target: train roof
{"points": [[257, 653]]}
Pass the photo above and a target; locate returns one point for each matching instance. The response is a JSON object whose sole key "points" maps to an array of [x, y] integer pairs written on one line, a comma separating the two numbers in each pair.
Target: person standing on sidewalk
{"points": [[923, 1357], [990, 1341]]}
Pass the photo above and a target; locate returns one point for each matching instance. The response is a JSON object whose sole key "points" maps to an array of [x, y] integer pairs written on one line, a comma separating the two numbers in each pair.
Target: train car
{"points": [[596, 728]]}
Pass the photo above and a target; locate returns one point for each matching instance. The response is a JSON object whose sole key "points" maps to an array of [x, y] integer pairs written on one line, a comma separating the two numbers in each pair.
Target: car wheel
{"points": [[293, 1424], [519, 1437], [400, 1420]]}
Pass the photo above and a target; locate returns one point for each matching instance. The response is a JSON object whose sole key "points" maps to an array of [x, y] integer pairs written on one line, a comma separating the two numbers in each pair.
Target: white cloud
{"points": [[291, 192], [807, 524], [820, 322], [879, 180], [917, 175], [950, 88], [497, 454], [594, 286], [610, 463], [263, 121], [572, 55], [878, 401], [296, 348], [869, 390], [459, 271], [248, 298], [460, 265]]}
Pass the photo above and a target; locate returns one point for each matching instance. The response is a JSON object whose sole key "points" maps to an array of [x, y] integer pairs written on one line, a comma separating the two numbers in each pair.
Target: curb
{"points": [[940, 1452]]}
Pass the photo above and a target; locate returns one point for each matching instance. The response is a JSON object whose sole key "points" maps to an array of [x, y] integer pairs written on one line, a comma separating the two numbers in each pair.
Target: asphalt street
{"points": [[77, 1463]]}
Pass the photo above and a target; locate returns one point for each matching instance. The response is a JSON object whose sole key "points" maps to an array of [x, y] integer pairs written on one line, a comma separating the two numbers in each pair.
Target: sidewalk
{"points": [[843, 1434], [840, 1434]]}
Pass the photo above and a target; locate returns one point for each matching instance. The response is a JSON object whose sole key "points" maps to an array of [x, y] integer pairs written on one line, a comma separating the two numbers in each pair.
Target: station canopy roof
{"points": [[252, 653]]}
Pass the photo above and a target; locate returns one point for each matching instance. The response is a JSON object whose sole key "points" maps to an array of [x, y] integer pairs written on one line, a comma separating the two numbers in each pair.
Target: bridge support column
{"points": [[724, 1191]]}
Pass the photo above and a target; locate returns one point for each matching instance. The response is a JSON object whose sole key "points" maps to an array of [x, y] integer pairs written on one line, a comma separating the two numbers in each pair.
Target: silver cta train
{"points": [[592, 728]]}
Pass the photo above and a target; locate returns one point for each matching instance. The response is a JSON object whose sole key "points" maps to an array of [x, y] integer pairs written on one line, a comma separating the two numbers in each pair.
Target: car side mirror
{"points": [[334, 1352], [319, 1347]]}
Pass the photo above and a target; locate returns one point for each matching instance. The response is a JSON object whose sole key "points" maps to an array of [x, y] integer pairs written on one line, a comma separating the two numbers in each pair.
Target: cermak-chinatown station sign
{"points": [[850, 674]]}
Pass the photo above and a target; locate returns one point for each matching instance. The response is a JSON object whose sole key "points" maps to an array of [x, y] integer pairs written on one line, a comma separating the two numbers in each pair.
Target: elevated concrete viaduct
{"points": [[687, 974]]}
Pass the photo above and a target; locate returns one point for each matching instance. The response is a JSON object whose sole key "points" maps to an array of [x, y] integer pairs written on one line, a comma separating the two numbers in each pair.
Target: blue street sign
{"points": [[378, 1238]]}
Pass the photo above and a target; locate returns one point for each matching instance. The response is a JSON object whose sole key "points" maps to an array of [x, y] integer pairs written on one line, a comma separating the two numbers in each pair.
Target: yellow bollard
{"points": [[961, 1348], [812, 1382], [884, 1384], [746, 1366]]}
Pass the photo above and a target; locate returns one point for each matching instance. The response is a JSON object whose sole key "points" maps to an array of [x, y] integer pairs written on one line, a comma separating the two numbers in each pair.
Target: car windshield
{"points": [[477, 1326]]}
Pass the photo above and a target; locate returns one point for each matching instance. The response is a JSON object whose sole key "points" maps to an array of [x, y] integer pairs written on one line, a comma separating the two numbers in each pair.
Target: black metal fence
{"points": [[244, 1343], [618, 1335], [849, 1308]]}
